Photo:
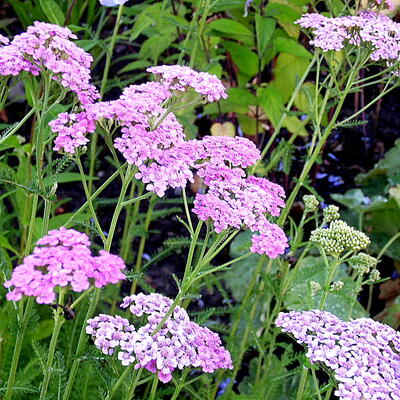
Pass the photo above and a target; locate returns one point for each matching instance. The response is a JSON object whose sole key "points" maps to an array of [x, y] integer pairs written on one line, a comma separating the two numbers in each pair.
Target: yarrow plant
{"points": [[236, 239], [48, 48], [363, 354], [63, 258], [161, 346]]}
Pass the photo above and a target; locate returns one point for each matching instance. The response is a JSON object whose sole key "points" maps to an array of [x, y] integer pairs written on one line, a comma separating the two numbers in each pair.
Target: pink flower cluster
{"points": [[179, 77], [48, 47], [62, 258], [4, 40], [180, 343], [363, 354], [367, 29], [237, 202], [154, 141]]}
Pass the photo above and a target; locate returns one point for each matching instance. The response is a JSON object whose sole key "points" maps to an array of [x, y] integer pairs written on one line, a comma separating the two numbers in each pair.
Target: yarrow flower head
{"points": [[362, 262], [311, 203], [49, 47], [331, 213], [339, 237], [363, 354], [367, 29], [4, 40], [62, 258], [179, 78], [180, 343], [239, 202]]}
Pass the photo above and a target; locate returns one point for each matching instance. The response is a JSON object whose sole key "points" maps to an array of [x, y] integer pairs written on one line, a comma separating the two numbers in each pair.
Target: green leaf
{"points": [[43, 330], [226, 25], [288, 70], [66, 177], [140, 64], [264, 30], [245, 59], [287, 45], [52, 11], [271, 101], [282, 12], [7, 245]]}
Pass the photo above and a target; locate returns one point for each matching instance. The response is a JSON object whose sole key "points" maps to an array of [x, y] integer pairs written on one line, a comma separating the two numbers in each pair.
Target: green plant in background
{"points": [[233, 243]]}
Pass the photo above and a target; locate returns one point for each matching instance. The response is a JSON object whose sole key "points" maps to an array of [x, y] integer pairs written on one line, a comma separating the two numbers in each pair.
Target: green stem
{"points": [[92, 197], [153, 388], [120, 381], [135, 383], [180, 385], [94, 139], [328, 280], [16, 127], [110, 50], [142, 242], [187, 211], [200, 29], [302, 384], [81, 344], [89, 200], [387, 245], [18, 346], [58, 321], [287, 109]]}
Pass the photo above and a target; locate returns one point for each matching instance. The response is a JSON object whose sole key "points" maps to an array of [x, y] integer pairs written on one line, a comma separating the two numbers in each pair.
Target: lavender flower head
{"points": [[363, 354], [367, 29], [62, 258], [112, 3], [49, 47], [179, 78], [180, 343], [4, 40]]}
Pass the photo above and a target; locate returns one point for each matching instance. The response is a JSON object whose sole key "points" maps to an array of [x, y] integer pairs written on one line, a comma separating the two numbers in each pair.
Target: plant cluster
{"points": [[82, 317]]}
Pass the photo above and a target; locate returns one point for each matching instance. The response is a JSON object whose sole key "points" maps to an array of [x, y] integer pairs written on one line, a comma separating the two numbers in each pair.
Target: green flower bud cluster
{"points": [[315, 287], [335, 286], [331, 213], [339, 237], [362, 263], [375, 275], [310, 202]]}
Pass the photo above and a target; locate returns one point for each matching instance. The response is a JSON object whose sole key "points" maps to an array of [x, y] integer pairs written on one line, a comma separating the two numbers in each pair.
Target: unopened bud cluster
{"points": [[335, 286], [339, 237], [331, 213], [362, 263], [310, 202], [374, 276], [315, 287]]}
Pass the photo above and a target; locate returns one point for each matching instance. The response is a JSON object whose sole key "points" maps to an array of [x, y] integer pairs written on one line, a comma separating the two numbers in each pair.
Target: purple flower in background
{"points": [[4, 40], [363, 354], [367, 29], [180, 343], [62, 258], [49, 47], [112, 3]]}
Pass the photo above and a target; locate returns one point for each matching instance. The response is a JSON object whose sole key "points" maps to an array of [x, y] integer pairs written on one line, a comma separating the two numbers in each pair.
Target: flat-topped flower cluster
{"points": [[368, 29], [63, 258], [363, 354], [48, 48], [178, 344]]}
